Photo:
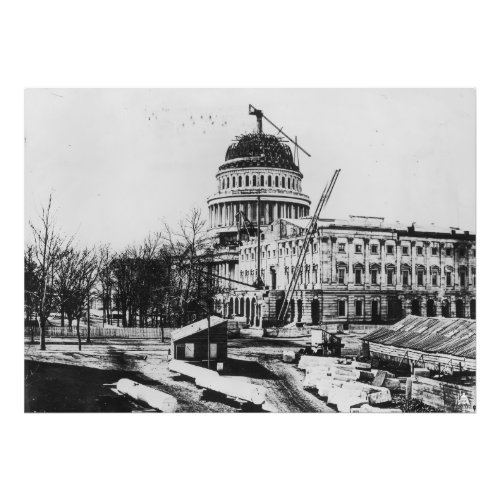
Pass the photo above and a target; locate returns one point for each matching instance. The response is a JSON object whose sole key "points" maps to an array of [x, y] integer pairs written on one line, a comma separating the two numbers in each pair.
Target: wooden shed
{"points": [[190, 343]]}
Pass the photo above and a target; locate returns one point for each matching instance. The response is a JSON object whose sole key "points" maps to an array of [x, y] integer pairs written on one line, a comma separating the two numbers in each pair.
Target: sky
{"points": [[120, 162]]}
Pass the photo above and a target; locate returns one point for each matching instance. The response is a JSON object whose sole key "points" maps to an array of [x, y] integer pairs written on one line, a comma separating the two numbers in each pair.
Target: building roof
{"points": [[197, 327], [449, 336]]}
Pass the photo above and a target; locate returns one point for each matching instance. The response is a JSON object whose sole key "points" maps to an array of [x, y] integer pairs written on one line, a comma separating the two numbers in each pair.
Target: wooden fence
{"points": [[99, 332]]}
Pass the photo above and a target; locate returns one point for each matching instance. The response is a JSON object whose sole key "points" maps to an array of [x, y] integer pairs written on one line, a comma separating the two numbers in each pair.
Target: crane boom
{"points": [[258, 113], [311, 229]]}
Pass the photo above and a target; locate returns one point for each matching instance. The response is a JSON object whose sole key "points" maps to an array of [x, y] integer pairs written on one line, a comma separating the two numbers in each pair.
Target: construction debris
{"points": [[348, 384]]}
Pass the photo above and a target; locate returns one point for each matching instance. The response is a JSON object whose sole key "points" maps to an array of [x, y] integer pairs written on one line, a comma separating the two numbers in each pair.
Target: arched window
{"points": [[247, 181], [261, 180], [293, 184], [269, 180], [276, 181], [288, 182], [234, 181], [282, 182], [239, 181], [254, 180]]}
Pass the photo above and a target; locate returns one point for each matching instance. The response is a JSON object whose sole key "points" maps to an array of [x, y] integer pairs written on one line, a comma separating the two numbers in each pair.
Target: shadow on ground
{"points": [[51, 387], [251, 369]]}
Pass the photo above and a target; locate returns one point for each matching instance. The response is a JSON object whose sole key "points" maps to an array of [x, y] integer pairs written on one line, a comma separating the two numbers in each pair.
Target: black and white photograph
{"points": [[241, 244], [250, 250]]}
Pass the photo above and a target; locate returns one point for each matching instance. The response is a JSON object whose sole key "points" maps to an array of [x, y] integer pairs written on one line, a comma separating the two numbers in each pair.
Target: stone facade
{"points": [[356, 271]]}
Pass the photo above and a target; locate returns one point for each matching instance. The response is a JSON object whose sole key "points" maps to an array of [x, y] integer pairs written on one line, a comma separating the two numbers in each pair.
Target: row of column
{"points": [[224, 214]]}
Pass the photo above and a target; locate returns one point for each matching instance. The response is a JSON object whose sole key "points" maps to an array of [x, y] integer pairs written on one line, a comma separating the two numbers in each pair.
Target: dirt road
{"points": [[255, 360]]}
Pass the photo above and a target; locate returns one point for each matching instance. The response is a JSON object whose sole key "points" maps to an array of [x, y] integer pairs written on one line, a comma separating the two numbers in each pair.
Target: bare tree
{"points": [[47, 247], [192, 288], [75, 284]]}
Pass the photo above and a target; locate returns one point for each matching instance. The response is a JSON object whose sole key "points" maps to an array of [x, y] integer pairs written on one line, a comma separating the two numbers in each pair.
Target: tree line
{"points": [[163, 281]]}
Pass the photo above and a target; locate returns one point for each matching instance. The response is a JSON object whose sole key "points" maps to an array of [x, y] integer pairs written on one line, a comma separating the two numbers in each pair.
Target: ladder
{"points": [[311, 229]]}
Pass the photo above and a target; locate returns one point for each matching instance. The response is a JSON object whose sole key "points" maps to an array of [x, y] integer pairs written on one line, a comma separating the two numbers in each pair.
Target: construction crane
{"points": [[310, 231], [258, 113]]}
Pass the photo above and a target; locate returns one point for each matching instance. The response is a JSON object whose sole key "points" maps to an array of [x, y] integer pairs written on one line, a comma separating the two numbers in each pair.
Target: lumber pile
{"points": [[443, 396], [349, 385]]}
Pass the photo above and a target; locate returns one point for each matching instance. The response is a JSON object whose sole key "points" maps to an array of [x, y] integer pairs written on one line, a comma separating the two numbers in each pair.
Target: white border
{"points": [[222, 43]]}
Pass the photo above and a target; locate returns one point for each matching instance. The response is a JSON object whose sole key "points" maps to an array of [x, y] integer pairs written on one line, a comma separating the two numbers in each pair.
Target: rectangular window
{"points": [[390, 249], [359, 308], [420, 278], [269, 254], [341, 307], [189, 351], [281, 251], [341, 276], [448, 278], [405, 278], [374, 248], [462, 278], [405, 250], [434, 279], [434, 250], [390, 277], [315, 248], [374, 277], [448, 251], [462, 252], [341, 247], [287, 250], [274, 253], [358, 249], [294, 250], [420, 250], [358, 276], [213, 351]]}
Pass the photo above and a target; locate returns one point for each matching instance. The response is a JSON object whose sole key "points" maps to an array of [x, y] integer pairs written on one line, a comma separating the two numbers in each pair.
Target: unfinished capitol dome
{"points": [[257, 166]]}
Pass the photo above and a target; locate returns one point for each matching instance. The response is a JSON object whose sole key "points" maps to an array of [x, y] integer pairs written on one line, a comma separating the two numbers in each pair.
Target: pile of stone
{"points": [[351, 386]]}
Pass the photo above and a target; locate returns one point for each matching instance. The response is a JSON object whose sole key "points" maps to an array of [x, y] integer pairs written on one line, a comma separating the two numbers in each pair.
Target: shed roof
{"points": [[197, 327], [449, 336]]}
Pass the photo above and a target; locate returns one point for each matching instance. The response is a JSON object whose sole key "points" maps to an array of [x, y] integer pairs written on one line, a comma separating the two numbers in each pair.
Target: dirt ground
{"points": [[64, 379]]}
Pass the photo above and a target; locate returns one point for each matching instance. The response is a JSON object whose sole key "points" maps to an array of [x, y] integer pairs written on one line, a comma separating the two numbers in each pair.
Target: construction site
{"points": [[311, 314]]}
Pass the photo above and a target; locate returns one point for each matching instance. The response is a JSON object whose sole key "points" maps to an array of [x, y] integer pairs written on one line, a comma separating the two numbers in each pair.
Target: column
{"points": [[412, 264], [382, 267], [333, 254], [350, 270], [367, 271], [275, 211]]}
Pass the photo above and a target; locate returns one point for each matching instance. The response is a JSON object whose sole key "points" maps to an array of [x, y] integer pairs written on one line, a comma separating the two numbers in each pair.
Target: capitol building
{"points": [[357, 270]]}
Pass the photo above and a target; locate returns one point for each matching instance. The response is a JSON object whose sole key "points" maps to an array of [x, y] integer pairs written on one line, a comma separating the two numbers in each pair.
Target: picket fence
{"points": [[97, 332]]}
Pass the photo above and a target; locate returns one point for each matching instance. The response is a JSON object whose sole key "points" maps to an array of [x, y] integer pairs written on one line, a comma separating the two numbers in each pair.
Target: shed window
{"points": [[189, 351], [213, 351]]}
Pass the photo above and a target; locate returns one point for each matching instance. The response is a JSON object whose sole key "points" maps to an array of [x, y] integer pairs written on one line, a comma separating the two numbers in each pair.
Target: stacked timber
{"points": [[444, 396]]}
